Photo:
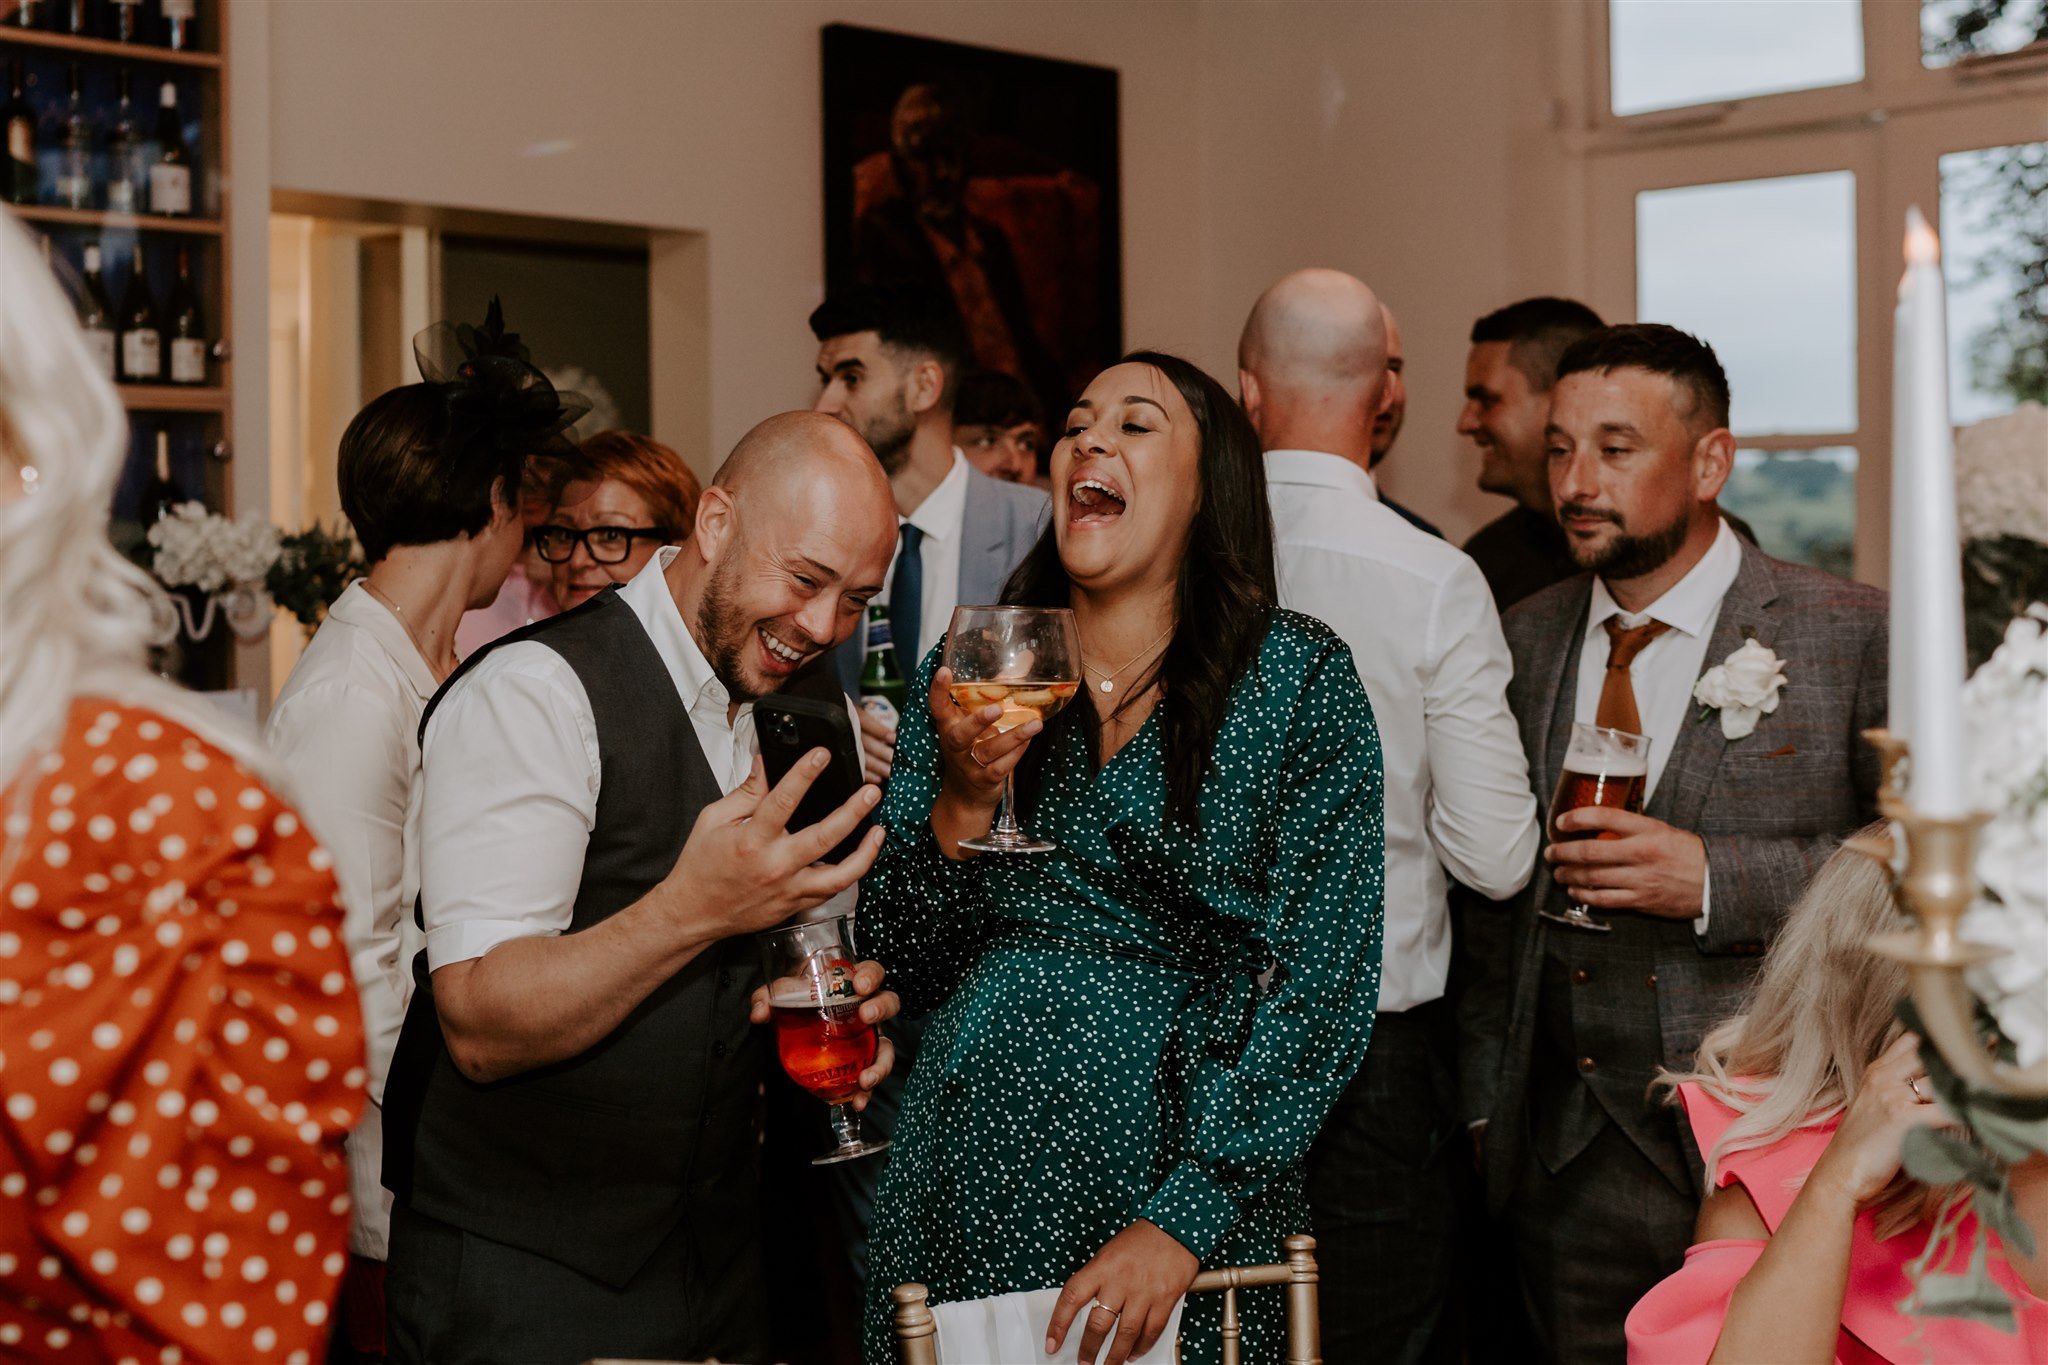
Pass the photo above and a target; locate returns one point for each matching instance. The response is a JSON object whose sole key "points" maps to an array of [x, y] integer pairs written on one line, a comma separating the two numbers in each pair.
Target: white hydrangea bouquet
{"points": [[222, 561]]}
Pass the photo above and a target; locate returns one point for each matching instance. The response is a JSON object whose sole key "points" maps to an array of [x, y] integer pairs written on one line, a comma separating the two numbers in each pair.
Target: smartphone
{"points": [[789, 728]]}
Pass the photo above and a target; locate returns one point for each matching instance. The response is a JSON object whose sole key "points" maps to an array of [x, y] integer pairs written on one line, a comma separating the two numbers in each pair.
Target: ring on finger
{"points": [[1098, 1306], [975, 754], [1914, 1086]]}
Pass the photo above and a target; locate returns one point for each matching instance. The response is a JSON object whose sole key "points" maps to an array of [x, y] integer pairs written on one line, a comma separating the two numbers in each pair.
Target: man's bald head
{"points": [[1312, 363], [794, 535]]}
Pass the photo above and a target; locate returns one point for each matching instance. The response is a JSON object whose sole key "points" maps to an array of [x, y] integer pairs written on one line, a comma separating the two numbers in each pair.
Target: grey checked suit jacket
{"points": [[1770, 808], [998, 526]]}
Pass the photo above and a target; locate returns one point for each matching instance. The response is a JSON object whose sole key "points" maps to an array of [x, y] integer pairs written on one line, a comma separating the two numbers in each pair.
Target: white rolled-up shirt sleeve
{"points": [[510, 798], [1483, 817]]}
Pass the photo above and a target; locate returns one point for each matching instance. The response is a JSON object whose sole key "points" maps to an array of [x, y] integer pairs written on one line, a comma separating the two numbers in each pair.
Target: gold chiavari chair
{"points": [[917, 1333]]}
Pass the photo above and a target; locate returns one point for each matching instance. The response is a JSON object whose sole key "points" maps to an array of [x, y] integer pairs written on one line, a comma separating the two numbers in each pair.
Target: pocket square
{"points": [[1786, 752]]}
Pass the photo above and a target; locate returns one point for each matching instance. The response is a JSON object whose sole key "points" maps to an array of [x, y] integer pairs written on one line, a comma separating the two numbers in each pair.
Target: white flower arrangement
{"points": [[2002, 475], [1743, 687], [199, 549], [2005, 720]]}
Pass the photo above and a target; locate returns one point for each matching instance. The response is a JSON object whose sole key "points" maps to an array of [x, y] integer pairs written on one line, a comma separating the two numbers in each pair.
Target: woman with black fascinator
{"points": [[433, 476], [1134, 1037]]}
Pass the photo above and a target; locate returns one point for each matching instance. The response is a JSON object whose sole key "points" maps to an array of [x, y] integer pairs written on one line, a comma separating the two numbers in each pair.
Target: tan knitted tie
{"points": [[1617, 709]]}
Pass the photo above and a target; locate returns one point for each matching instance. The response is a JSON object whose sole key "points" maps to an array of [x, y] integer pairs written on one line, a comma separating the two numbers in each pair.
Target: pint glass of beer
{"points": [[1602, 767], [819, 1036]]}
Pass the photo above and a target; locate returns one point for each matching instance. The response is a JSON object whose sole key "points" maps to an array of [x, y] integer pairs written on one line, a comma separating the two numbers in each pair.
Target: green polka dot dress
{"points": [[1101, 1048]]}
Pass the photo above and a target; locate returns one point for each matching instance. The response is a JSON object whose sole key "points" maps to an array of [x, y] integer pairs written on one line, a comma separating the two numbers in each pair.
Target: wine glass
{"points": [[1602, 767], [1028, 659], [820, 1037]]}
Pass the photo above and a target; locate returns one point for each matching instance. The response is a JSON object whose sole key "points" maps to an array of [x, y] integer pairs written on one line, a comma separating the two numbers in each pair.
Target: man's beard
{"points": [[1626, 556], [888, 435], [725, 640]]}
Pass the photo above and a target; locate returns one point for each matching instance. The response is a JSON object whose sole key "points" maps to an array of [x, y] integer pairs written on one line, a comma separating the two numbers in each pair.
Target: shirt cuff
{"points": [[1699, 926], [472, 938], [1192, 1208]]}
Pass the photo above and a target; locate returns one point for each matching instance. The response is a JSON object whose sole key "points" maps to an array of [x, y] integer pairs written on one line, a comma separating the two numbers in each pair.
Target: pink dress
{"points": [[520, 602], [1680, 1320]]}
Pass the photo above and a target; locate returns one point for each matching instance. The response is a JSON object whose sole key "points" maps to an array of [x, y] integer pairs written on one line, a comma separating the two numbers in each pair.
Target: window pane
{"points": [[1960, 28], [1800, 503], [1665, 54], [1994, 240], [1764, 271]]}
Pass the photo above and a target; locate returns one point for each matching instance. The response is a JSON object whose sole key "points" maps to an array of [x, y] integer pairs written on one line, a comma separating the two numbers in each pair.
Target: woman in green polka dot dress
{"points": [[1134, 1039]]}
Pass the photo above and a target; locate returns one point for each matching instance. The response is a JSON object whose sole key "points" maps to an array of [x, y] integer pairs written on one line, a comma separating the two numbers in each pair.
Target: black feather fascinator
{"points": [[498, 401]]}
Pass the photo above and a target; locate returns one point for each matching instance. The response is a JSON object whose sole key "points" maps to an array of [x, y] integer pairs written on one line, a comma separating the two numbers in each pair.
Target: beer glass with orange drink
{"points": [[1028, 659], [1602, 767], [819, 1035]]}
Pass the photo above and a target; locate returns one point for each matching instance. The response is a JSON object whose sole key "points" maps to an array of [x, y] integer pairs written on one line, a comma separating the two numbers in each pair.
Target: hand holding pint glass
{"points": [[820, 1037], [1602, 767]]}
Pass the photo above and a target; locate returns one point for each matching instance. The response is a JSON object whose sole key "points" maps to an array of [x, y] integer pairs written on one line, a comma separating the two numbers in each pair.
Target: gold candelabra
{"points": [[1935, 880]]}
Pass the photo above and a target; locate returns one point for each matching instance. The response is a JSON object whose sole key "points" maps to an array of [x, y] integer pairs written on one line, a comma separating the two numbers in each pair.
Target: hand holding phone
{"points": [[789, 728]]}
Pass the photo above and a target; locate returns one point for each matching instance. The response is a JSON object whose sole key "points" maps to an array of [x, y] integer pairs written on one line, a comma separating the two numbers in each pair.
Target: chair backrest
{"points": [[917, 1334]]}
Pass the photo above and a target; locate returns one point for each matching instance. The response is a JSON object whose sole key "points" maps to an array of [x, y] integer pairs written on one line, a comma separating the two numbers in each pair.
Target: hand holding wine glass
{"points": [[1007, 670]]}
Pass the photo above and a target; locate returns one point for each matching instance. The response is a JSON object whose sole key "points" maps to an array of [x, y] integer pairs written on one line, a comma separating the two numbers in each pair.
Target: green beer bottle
{"points": [[882, 687]]}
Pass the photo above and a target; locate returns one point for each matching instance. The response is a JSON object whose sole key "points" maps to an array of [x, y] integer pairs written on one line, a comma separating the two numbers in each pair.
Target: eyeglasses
{"points": [[604, 544]]}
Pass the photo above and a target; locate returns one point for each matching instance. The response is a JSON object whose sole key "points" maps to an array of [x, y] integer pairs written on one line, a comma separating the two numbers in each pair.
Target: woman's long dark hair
{"points": [[1223, 606]]}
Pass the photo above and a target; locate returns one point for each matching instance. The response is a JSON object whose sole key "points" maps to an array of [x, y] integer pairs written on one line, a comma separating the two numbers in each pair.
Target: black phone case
{"points": [[789, 728]]}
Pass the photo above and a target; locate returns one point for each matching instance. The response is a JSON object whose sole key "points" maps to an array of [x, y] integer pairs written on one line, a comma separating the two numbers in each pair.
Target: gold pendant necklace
{"points": [[1108, 683]]}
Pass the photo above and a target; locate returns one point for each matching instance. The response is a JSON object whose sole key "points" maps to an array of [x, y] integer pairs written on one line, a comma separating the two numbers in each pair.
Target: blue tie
{"points": [[906, 600]]}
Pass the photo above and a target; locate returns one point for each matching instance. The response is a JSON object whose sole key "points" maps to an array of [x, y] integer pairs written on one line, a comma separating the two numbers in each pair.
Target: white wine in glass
{"points": [[1028, 661]]}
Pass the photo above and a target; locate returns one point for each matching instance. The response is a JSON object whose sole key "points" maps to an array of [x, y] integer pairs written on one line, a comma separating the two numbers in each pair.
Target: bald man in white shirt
{"points": [[1422, 626]]}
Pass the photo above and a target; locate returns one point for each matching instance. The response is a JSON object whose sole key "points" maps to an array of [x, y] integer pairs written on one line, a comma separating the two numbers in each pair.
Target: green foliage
{"points": [[2002, 577], [1802, 507], [312, 569]]}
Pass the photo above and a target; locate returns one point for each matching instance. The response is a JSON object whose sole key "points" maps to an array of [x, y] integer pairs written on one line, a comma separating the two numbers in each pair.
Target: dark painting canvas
{"points": [[987, 176]]}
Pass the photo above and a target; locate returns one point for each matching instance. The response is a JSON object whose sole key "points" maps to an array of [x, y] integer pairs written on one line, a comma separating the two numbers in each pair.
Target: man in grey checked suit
{"points": [[1567, 1028]]}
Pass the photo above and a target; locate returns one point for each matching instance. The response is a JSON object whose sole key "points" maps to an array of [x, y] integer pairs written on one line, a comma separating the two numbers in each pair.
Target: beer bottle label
{"points": [[170, 189], [142, 353], [101, 344], [879, 635], [188, 361]]}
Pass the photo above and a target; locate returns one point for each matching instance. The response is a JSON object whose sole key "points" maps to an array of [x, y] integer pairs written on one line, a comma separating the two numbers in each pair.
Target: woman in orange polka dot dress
{"points": [[180, 1044]]}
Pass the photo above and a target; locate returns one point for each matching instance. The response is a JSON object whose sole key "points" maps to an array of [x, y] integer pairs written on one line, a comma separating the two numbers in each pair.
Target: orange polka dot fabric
{"points": [[181, 1054]]}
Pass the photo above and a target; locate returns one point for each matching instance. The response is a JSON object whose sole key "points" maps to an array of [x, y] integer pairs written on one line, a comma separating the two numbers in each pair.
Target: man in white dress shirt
{"points": [[570, 1122], [1423, 629]]}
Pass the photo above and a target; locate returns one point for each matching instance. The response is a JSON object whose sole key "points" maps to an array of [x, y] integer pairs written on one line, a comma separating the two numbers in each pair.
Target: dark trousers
{"points": [[1593, 1238], [455, 1298], [1383, 1196]]}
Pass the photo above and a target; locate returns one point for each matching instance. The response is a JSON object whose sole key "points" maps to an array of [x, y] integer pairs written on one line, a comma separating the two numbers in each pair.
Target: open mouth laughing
{"points": [[1093, 499]]}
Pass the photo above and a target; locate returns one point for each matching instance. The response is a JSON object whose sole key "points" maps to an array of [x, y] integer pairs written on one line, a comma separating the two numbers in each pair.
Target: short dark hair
{"points": [[1679, 356], [993, 398], [1537, 332], [904, 318], [404, 482]]}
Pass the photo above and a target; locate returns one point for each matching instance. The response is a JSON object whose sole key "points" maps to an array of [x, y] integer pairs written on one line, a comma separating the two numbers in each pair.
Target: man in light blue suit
{"points": [[889, 361]]}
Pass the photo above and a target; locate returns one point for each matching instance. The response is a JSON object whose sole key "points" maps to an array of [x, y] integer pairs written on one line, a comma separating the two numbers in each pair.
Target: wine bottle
{"points": [[96, 315], [170, 179], [29, 14], [142, 338], [181, 20], [124, 151], [21, 140], [188, 335], [160, 494], [74, 148], [124, 17], [78, 18]]}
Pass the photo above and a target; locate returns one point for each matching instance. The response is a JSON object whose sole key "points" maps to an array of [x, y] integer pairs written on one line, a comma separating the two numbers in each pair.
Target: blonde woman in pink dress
{"points": [[1800, 1106]]}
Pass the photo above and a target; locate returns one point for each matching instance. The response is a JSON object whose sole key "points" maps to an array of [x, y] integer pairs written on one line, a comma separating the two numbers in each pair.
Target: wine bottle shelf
{"points": [[106, 47], [128, 222], [173, 398]]}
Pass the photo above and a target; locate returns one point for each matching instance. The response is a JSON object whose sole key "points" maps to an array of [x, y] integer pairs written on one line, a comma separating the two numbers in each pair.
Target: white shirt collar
{"points": [[649, 596], [943, 510], [1321, 469], [359, 608], [1690, 605]]}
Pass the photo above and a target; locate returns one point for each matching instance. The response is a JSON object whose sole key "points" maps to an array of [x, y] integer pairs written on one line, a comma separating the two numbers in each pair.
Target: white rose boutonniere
{"points": [[1743, 688]]}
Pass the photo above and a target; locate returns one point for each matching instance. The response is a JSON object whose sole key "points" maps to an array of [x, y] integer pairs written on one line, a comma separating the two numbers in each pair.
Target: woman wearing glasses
{"points": [[433, 477], [645, 498]]}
